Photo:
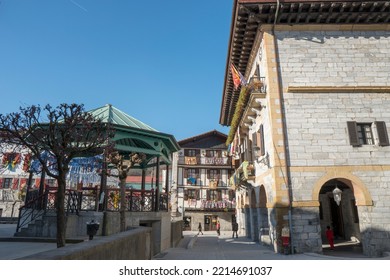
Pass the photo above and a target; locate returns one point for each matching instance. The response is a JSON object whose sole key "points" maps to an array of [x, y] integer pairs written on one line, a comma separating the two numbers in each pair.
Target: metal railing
{"points": [[87, 199]]}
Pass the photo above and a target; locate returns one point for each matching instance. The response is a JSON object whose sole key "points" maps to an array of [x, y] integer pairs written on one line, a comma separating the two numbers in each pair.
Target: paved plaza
{"points": [[212, 247], [192, 247]]}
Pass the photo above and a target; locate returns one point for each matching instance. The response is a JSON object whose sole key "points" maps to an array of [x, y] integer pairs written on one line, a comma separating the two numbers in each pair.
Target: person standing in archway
{"points": [[330, 237]]}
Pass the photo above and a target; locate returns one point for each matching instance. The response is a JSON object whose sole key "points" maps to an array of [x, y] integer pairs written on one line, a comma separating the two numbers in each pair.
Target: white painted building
{"points": [[200, 191]]}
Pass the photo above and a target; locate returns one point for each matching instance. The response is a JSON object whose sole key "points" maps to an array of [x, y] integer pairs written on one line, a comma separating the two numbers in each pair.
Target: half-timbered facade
{"points": [[202, 175]]}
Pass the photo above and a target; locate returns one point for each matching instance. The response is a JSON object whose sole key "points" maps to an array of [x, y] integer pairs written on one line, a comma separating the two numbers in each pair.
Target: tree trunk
{"points": [[61, 219]]}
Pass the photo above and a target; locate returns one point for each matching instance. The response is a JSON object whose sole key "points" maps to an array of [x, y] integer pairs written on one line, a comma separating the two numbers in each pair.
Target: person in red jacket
{"points": [[330, 237]]}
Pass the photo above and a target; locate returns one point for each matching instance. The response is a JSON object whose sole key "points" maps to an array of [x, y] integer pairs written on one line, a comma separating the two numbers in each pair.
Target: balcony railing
{"points": [[209, 205], [245, 172], [211, 183], [204, 160]]}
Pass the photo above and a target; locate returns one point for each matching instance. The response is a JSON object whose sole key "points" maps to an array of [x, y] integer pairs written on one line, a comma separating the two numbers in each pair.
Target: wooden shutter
{"points": [[352, 132], [219, 195], [382, 134], [262, 147]]}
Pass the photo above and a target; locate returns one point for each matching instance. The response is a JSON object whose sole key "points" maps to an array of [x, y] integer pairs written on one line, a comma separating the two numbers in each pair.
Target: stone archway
{"points": [[342, 217], [361, 193]]}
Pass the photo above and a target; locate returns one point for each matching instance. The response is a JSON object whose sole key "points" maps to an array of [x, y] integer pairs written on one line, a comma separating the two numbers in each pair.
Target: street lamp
{"points": [[337, 195]]}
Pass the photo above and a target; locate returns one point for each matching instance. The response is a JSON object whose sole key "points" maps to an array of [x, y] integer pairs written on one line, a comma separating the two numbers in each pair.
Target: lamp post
{"points": [[337, 195]]}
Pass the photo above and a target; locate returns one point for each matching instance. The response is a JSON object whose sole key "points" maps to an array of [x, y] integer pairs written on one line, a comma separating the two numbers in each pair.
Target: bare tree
{"points": [[123, 166], [65, 132]]}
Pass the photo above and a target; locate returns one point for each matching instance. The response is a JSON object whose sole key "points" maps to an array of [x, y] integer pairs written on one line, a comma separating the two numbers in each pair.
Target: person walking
{"points": [[218, 228], [200, 229], [330, 236], [235, 229]]}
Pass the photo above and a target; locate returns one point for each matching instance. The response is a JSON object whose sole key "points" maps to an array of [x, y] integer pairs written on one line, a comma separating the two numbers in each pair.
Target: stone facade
{"points": [[317, 80]]}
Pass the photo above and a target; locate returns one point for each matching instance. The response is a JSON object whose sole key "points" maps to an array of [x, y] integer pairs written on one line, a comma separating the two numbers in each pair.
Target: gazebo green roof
{"points": [[112, 115], [134, 136]]}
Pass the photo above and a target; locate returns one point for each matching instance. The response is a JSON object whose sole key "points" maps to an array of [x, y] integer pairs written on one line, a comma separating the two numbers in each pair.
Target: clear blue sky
{"points": [[160, 61]]}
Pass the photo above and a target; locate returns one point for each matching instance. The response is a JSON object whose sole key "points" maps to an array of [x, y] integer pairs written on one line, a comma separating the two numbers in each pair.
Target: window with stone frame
{"points": [[362, 133]]}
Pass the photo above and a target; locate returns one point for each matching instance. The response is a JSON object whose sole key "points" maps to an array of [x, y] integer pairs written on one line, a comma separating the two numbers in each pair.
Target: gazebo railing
{"points": [[136, 200], [87, 199]]}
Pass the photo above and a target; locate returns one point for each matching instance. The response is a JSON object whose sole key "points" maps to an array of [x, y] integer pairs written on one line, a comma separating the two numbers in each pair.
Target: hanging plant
{"points": [[239, 110]]}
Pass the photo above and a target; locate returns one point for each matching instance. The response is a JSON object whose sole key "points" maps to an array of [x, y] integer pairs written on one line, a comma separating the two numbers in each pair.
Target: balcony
{"points": [[204, 161], [211, 183], [245, 172], [209, 205]]}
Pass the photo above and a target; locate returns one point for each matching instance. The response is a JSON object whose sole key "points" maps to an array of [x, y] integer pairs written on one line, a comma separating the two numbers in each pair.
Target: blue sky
{"points": [[160, 61]]}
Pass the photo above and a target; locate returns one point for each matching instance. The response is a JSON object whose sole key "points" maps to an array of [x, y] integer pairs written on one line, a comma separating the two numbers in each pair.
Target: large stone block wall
{"points": [[331, 58], [317, 122]]}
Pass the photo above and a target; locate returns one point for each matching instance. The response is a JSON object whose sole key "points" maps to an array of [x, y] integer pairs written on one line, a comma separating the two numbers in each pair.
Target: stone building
{"points": [[310, 121], [201, 172]]}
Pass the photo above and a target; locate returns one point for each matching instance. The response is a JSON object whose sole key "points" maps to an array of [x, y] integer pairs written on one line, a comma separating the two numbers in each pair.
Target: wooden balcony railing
{"points": [[204, 160], [209, 205]]}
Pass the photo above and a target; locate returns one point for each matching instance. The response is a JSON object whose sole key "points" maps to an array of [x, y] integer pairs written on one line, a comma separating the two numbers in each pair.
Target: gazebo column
{"points": [[143, 177], [167, 186], [157, 202], [167, 180]]}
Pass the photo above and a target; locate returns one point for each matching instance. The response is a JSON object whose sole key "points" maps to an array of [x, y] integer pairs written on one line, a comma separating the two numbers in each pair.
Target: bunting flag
{"points": [[238, 78]]}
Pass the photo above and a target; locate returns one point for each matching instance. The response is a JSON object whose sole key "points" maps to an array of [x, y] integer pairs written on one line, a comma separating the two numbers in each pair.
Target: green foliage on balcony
{"points": [[239, 110]]}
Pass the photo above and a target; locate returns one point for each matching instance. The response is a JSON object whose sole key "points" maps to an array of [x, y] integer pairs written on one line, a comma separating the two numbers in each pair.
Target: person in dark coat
{"points": [[235, 229], [200, 229]]}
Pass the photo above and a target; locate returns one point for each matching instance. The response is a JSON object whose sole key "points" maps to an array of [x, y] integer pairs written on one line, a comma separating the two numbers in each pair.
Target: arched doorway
{"points": [[342, 216]]}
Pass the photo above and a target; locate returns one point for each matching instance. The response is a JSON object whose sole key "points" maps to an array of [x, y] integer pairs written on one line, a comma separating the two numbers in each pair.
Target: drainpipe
{"points": [[287, 155]]}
